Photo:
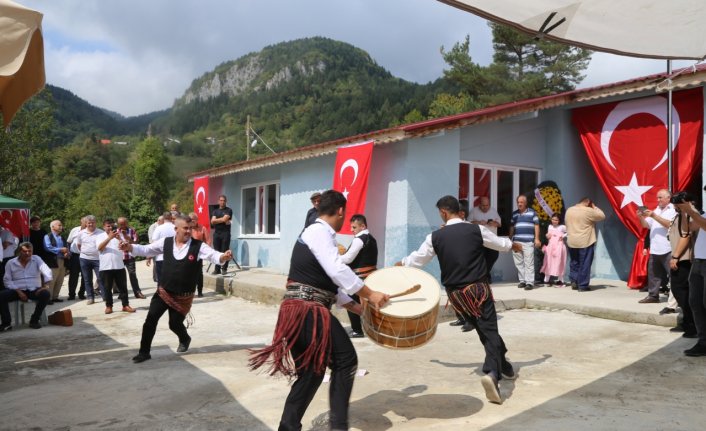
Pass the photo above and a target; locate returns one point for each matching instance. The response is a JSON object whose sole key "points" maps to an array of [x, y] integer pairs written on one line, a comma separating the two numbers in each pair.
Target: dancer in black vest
{"points": [[177, 283], [459, 246], [362, 257], [307, 336]]}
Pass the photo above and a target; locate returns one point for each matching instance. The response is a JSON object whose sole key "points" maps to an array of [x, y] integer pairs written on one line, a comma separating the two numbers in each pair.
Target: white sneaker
{"points": [[491, 389]]}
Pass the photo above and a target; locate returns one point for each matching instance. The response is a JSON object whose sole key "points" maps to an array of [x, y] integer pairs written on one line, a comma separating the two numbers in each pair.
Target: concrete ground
{"points": [[576, 372]]}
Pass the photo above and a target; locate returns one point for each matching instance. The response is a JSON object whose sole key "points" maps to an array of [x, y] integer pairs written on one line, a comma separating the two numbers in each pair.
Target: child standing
{"points": [[555, 252]]}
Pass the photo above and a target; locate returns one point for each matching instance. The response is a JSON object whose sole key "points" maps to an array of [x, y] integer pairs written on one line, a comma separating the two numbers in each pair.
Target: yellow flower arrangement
{"points": [[547, 201]]}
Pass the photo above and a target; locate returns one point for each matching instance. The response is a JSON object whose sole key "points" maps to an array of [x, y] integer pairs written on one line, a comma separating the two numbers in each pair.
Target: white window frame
{"points": [[494, 168], [257, 233]]}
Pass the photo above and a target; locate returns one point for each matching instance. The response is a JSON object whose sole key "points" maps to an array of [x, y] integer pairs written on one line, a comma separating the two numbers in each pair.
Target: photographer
{"points": [[697, 277], [681, 240], [112, 268], [657, 221]]}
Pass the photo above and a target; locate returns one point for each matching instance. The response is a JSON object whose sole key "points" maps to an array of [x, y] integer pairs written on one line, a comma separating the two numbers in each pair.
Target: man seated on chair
{"points": [[23, 281]]}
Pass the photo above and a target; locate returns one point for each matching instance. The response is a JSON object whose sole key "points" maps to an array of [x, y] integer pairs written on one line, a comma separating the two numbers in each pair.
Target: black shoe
{"points": [[522, 285], [574, 286], [677, 328], [200, 295], [508, 372], [689, 335], [697, 350], [80, 296], [5, 328], [538, 284], [457, 322], [141, 357], [467, 327], [354, 334], [71, 298], [183, 347], [58, 300], [34, 325], [529, 287], [667, 310], [584, 289]]}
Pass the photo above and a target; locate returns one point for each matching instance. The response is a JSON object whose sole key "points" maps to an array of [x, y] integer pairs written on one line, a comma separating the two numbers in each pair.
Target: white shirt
{"points": [[72, 239], [700, 245], [355, 248], [659, 244], [426, 252], [7, 236], [157, 248], [28, 277], [165, 230], [477, 215], [151, 229], [111, 257], [89, 246], [321, 240]]}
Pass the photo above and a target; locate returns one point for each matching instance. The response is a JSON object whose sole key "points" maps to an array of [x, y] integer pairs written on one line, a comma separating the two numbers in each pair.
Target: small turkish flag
{"points": [[350, 177], [201, 202], [626, 143]]}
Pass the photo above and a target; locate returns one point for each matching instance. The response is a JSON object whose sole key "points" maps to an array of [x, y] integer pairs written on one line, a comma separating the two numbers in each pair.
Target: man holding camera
{"points": [[697, 277], [112, 267], [657, 221]]}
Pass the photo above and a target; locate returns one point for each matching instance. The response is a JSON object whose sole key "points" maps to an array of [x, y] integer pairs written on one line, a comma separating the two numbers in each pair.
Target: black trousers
{"points": [[176, 323], [355, 318], [118, 277], [40, 296], [221, 242], [343, 363], [491, 256], [680, 289], [487, 329], [199, 280], [74, 273], [697, 296], [132, 273]]}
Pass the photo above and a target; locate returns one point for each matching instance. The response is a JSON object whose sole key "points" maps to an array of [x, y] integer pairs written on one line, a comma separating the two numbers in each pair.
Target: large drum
{"points": [[407, 321]]}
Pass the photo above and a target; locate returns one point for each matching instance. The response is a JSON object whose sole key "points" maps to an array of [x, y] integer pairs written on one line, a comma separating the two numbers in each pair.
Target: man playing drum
{"points": [[305, 327], [459, 246]]}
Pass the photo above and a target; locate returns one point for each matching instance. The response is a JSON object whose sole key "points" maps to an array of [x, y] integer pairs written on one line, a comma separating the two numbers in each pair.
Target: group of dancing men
{"points": [[308, 338]]}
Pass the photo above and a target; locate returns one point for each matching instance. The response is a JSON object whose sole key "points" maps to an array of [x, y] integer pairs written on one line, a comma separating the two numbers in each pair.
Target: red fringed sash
{"points": [[182, 304], [290, 323], [469, 300]]}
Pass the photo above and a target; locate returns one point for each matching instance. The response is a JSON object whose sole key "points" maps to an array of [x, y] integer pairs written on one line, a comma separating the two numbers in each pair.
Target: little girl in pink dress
{"points": [[555, 252]]}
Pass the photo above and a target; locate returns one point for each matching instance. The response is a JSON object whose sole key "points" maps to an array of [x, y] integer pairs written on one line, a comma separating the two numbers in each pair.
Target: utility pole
{"points": [[247, 139]]}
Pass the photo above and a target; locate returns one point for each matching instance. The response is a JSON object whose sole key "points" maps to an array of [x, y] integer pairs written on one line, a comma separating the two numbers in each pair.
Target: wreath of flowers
{"points": [[547, 200]]}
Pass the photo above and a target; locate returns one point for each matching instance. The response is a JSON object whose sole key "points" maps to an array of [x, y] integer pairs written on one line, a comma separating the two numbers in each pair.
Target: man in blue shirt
{"points": [[524, 228], [55, 251]]}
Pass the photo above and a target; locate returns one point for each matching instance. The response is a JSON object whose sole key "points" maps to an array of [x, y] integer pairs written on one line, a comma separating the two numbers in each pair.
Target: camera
{"points": [[681, 197], [114, 227]]}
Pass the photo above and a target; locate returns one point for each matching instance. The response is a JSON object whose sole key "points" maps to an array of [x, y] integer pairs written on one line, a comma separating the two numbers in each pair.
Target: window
{"points": [[260, 210], [502, 184]]}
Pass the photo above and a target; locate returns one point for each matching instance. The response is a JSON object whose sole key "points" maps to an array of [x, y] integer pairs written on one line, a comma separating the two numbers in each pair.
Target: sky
{"points": [[139, 56]]}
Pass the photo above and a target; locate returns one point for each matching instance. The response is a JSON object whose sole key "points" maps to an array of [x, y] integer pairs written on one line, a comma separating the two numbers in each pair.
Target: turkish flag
{"points": [[16, 221], [626, 143], [201, 202], [350, 177]]}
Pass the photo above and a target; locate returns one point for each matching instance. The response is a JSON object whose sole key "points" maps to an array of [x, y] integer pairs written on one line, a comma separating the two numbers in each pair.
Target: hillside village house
{"points": [[519, 144]]}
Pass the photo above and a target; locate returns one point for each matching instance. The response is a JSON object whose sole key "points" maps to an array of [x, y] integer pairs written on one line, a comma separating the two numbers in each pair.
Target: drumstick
{"points": [[412, 289]]}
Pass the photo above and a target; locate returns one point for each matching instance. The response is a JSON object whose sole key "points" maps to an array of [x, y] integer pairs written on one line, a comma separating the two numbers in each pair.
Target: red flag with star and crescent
{"points": [[201, 202], [626, 143], [16, 221], [350, 177]]}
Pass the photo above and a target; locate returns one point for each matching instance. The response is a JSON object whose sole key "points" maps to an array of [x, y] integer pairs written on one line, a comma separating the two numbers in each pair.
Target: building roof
{"points": [[659, 83]]}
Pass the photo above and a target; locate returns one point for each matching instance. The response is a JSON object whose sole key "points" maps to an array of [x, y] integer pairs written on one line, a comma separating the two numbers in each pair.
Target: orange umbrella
{"points": [[21, 57]]}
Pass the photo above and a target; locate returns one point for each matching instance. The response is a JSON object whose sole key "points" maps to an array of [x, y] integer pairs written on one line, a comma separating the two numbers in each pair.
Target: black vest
{"points": [[368, 255], [459, 248], [179, 276], [304, 268], [50, 258]]}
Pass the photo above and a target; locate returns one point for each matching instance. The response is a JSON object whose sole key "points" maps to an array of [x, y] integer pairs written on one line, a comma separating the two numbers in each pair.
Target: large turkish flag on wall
{"points": [[350, 177], [16, 221], [626, 143], [201, 202]]}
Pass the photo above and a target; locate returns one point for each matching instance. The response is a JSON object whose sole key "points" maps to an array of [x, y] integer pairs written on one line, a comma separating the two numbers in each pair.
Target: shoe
{"points": [[697, 350], [644, 289], [539, 284], [81, 296], [549, 283], [457, 322], [689, 335], [508, 373], [529, 287], [200, 295], [50, 302], [559, 283], [584, 289], [574, 286], [141, 357], [128, 309], [34, 325], [215, 273], [522, 285], [108, 310], [467, 327], [71, 298], [490, 384], [140, 295], [677, 328], [5, 328], [354, 334], [90, 301], [183, 347], [58, 300], [649, 300], [667, 310]]}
